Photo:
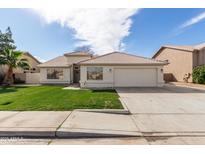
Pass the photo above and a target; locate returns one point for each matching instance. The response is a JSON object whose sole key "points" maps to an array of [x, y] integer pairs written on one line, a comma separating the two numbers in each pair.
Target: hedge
{"points": [[198, 74]]}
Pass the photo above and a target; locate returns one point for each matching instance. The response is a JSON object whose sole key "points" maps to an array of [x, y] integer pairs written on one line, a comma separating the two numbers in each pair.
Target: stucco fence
{"points": [[29, 78]]}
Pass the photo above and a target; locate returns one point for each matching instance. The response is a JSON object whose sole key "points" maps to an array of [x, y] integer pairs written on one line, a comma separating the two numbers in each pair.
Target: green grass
{"points": [[54, 98]]}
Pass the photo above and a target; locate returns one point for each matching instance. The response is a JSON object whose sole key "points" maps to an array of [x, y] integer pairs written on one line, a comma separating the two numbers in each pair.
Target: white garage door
{"points": [[135, 77]]}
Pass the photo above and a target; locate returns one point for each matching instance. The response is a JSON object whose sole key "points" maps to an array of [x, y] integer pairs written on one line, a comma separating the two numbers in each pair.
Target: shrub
{"points": [[199, 74]]}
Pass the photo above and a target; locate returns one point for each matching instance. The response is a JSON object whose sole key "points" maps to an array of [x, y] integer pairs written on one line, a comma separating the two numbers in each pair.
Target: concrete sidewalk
{"points": [[31, 123], [95, 124], [66, 124]]}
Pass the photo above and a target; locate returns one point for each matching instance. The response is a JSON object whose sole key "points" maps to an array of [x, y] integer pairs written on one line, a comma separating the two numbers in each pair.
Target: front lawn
{"points": [[54, 98]]}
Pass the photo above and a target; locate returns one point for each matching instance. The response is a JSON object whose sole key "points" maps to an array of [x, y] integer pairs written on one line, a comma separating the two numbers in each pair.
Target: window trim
{"points": [[94, 79]]}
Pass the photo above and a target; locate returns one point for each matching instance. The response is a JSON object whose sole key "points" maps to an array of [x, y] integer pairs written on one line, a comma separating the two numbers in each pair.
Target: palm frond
{"points": [[18, 54], [13, 59], [23, 64]]}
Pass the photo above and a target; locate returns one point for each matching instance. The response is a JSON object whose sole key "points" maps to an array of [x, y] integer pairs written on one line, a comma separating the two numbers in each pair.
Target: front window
{"points": [[94, 73], [55, 73]]}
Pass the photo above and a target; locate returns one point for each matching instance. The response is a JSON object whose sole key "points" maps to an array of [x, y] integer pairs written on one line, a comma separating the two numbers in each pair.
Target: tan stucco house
{"points": [[19, 74], [63, 69], [115, 69], [181, 59]]}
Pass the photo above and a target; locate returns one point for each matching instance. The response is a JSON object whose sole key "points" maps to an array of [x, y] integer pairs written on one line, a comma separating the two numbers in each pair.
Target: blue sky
{"points": [[150, 29]]}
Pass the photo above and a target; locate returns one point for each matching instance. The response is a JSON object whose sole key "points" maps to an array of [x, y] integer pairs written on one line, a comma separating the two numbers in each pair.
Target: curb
{"points": [[89, 133], [32, 134], [172, 134], [124, 105], [111, 111]]}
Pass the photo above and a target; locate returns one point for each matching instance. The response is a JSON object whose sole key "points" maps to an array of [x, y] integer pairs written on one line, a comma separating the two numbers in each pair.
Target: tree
{"points": [[6, 40], [13, 59], [85, 48]]}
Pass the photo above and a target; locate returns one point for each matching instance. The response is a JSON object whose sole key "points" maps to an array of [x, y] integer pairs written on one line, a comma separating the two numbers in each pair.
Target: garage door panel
{"points": [[135, 77]]}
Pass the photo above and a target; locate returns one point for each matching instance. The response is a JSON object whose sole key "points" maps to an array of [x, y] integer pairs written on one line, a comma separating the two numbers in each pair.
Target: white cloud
{"points": [[102, 29], [193, 20]]}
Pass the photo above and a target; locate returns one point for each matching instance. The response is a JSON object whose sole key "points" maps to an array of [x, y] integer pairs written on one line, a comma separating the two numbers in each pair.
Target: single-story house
{"points": [[116, 69], [63, 69], [181, 59], [19, 74]]}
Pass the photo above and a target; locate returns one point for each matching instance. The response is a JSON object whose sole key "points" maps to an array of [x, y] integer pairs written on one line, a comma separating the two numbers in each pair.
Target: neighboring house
{"points": [[181, 59], [115, 69], [19, 74]]}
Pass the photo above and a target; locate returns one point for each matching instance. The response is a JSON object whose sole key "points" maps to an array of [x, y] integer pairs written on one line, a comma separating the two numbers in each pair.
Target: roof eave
{"points": [[124, 64], [63, 66], [157, 52], [163, 47], [67, 55]]}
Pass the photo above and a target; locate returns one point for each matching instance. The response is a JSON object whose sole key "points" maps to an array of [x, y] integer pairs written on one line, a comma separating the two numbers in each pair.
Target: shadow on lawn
{"points": [[6, 103], [7, 89]]}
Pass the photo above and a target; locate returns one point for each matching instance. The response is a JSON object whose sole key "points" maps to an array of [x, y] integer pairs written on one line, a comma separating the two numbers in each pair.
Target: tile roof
{"points": [[60, 61], [119, 58]]}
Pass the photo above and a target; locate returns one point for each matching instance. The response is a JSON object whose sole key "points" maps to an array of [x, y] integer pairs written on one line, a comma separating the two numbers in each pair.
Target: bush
{"points": [[199, 74]]}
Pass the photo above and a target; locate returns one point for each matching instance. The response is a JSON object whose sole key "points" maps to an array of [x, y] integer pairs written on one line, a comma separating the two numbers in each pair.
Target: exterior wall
{"points": [[199, 58], [20, 77], [32, 78], [65, 80], [180, 63], [108, 76]]}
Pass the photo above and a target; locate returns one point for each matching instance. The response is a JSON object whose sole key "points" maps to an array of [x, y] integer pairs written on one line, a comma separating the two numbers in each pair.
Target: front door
{"points": [[76, 73]]}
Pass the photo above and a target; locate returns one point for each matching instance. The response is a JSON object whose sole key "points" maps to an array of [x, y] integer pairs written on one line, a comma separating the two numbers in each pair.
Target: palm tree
{"points": [[13, 60]]}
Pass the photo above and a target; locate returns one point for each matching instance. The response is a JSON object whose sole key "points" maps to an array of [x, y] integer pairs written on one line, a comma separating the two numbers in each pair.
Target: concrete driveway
{"points": [[171, 110]]}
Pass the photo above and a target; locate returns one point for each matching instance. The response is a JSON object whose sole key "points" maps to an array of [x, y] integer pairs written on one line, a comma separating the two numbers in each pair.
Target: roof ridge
{"points": [[98, 57], [50, 60], [123, 53], [53, 58], [129, 54]]}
